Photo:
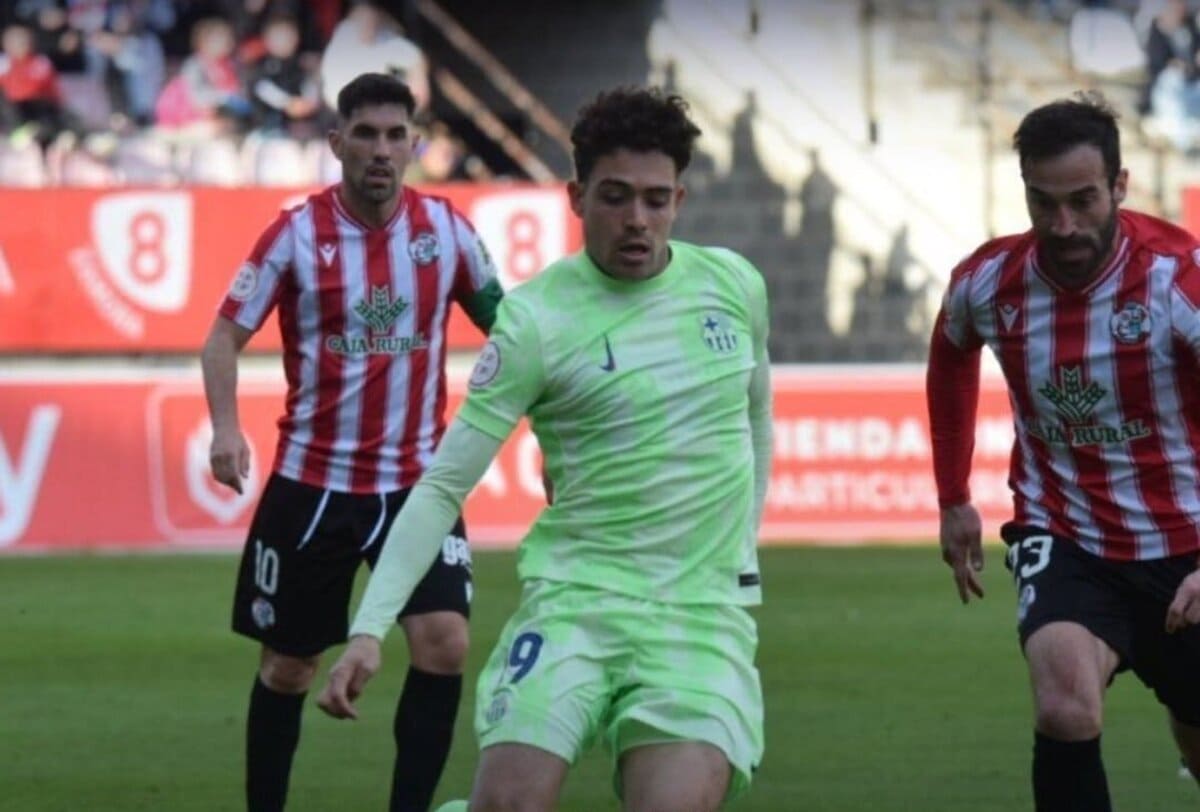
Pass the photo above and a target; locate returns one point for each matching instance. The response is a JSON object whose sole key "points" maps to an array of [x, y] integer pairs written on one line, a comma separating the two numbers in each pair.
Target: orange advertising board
{"points": [[123, 461], [85, 270]]}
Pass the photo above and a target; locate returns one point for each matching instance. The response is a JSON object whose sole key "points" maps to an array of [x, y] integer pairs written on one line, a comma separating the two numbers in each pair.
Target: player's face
{"points": [[374, 146], [1073, 211], [628, 205]]}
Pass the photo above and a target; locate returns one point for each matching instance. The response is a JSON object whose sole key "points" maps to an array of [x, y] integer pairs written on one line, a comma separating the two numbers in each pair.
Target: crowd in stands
{"points": [[226, 92], [1153, 43]]}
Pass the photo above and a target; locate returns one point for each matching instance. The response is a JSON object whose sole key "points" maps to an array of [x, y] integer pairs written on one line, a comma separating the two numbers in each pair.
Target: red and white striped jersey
{"points": [[1103, 383], [363, 315]]}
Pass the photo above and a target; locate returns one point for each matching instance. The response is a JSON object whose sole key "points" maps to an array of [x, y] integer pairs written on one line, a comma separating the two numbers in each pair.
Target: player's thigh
{"points": [[514, 776], [674, 777], [1058, 583], [297, 570], [693, 680], [1169, 664], [546, 683]]}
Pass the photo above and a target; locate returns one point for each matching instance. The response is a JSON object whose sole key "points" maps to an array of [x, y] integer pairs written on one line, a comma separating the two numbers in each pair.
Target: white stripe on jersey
{"points": [[1172, 427]]}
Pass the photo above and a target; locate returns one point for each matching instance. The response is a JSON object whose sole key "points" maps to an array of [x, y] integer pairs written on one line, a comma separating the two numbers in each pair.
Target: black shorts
{"points": [[304, 548], [1124, 603]]}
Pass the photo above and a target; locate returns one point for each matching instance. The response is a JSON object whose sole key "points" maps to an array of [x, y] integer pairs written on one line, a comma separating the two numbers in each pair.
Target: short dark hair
{"points": [[637, 119], [1054, 128], [374, 88]]}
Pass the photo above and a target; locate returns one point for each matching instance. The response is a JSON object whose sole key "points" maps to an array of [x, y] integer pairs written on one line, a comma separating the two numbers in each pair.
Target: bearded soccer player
{"points": [[1092, 315], [642, 364], [363, 275]]}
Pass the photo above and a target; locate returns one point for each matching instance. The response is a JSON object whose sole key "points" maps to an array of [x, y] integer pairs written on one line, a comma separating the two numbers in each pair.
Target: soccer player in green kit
{"points": [[642, 365]]}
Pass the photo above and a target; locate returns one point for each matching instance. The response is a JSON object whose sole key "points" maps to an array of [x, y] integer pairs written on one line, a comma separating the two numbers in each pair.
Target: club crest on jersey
{"points": [[1131, 323], [245, 283], [424, 248], [718, 333]]}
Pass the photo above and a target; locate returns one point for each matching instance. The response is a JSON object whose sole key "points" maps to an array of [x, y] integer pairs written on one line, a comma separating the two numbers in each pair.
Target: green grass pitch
{"points": [[122, 689]]}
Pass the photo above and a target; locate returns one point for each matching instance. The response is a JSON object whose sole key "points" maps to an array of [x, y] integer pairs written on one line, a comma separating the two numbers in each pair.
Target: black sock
{"points": [[1069, 776], [272, 732], [423, 728]]}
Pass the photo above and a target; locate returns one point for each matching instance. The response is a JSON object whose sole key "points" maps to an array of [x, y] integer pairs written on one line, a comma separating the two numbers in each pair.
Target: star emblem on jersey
{"points": [[424, 248], [381, 311], [1131, 324], [719, 336]]}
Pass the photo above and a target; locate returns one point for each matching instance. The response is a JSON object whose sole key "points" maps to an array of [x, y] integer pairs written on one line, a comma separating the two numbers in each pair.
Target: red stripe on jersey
{"points": [[332, 305], [425, 288], [372, 425]]}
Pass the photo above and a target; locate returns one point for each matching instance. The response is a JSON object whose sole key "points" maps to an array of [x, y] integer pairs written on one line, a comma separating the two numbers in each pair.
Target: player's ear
{"points": [[680, 194], [575, 191], [335, 142], [1120, 186]]}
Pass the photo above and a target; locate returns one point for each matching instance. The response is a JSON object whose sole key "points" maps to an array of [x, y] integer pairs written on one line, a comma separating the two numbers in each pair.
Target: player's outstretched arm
{"points": [[960, 535]]}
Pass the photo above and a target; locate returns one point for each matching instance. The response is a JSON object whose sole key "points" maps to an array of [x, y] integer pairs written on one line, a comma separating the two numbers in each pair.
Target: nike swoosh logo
{"points": [[611, 364]]}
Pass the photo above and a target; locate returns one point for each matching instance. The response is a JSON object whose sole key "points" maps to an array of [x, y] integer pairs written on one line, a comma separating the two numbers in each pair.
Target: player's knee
{"points": [[284, 674], [439, 645], [507, 796], [674, 796], [1068, 716]]}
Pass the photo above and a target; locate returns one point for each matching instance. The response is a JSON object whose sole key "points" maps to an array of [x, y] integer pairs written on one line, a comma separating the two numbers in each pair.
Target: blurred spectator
{"points": [[125, 54], [442, 158], [31, 107], [206, 97], [1172, 93], [251, 17], [52, 32], [370, 40], [284, 94]]}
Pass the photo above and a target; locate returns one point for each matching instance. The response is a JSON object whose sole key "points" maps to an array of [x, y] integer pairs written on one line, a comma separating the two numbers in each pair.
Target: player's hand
{"points": [[1185, 608], [358, 663], [229, 457], [962, 548]]}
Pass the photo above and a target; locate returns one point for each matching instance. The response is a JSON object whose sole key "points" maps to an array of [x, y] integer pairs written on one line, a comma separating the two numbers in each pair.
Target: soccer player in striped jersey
{"points": [[642, 365], [363, 275], [1093, 317]]}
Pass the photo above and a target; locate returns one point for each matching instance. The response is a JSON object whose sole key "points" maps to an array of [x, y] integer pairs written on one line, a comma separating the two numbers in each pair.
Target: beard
{"points": [[1081, 270]]}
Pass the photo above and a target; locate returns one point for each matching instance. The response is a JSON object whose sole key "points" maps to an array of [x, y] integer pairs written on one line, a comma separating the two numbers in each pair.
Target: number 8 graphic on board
{"points": [[524, 654]]}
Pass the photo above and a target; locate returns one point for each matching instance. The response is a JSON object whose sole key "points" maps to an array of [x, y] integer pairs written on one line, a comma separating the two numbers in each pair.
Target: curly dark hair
{"points": [[369, 89], [637, 119], [1054, 128]]}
